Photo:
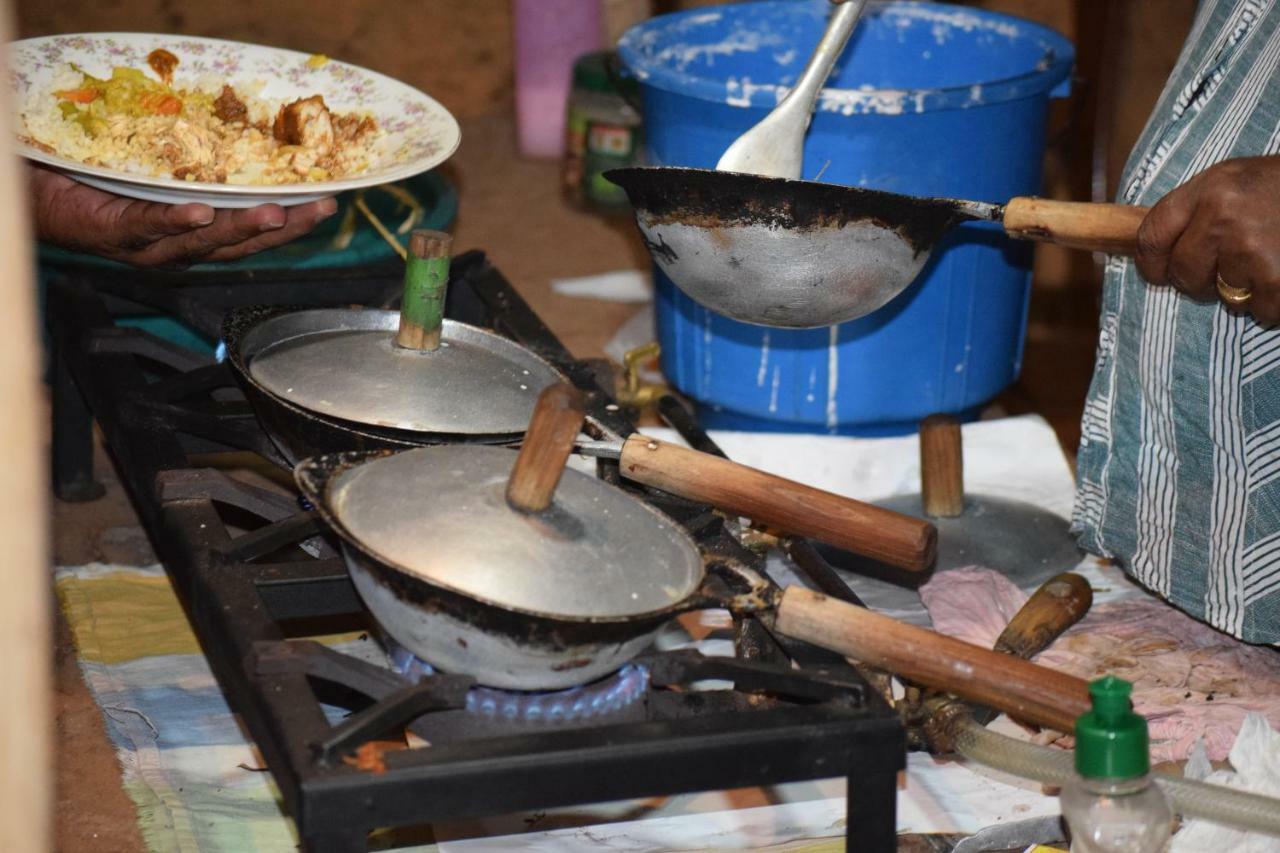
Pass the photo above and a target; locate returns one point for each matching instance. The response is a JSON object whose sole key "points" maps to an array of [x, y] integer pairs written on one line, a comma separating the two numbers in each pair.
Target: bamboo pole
{"points": [[26, 708]]}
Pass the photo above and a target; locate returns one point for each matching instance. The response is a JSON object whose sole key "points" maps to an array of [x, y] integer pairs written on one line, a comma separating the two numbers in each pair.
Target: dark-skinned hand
{"points": [[151, 234], [1223, 222]]}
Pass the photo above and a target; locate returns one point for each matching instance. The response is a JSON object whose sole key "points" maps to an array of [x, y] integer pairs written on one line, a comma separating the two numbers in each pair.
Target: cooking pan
{"points": [[301, 432], [325, 380], [802, 254], [472, 580]]}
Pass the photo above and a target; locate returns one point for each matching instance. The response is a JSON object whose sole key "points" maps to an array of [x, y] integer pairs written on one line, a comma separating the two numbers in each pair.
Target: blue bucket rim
{"points": [[1057, 48]]}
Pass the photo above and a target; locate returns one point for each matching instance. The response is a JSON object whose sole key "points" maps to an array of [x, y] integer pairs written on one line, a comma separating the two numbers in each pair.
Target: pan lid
{"points": [[345, 363], [441, 514]]}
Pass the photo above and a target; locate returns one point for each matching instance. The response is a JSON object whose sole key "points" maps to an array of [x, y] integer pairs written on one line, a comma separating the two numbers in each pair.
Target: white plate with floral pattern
{"points": [[418, 133]]}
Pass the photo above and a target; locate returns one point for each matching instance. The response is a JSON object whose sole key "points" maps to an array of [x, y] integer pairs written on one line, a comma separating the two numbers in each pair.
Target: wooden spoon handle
{"points": [[1110, 228], [1059, 603], [1020, 688], [899, 540], [556, 421]]}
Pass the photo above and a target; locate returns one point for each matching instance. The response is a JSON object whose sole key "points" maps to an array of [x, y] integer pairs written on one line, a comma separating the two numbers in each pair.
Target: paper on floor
{"points": [[617, 286], [1255, 759]]}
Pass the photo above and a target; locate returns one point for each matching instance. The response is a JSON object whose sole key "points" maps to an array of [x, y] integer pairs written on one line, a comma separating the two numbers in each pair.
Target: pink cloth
{"points": [[1189, 679]]}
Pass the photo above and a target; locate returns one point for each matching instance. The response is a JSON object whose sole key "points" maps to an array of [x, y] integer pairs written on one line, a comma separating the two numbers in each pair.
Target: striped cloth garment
{"points": [[1179, 463]]}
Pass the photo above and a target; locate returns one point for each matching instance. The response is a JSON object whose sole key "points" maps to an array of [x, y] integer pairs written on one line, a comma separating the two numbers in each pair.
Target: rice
{"points": [[266, 143]]}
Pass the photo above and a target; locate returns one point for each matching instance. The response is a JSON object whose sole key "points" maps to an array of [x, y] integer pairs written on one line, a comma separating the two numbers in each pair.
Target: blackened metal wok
{"points": [[802, 254]]}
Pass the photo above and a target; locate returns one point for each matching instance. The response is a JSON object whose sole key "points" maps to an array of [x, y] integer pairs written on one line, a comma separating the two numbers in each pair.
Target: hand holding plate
{"points": [[75, 216]]}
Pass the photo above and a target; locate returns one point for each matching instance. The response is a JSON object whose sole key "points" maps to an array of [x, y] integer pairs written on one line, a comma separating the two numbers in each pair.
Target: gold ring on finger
{"points": [[1233, 295]]}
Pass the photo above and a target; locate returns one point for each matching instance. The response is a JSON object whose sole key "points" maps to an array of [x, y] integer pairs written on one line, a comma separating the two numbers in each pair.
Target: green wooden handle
{"points": [[426, 279]]}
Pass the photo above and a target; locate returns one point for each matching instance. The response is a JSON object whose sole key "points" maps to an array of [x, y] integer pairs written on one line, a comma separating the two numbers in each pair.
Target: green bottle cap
{"points": [[1111, 740]]}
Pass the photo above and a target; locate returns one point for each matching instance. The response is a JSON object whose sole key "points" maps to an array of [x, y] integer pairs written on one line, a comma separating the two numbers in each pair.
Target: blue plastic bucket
{"points": [[928, 99]]}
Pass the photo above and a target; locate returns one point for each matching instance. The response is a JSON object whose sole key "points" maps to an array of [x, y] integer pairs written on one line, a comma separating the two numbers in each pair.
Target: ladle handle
{"points": [[1110, 228], [1022, 689], [804, 94], [890, 537], [941, 467], [426, 280], [557, 419]]}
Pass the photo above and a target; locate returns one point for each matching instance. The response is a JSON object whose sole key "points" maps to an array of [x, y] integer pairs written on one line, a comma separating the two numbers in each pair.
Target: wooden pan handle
{"points": [[1110, 228], [890, 537], [556, 421], [1059, 603], [941, 467], [1020, 688], [426, 279]]}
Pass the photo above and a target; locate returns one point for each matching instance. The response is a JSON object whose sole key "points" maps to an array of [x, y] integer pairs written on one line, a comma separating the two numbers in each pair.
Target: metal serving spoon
{"points": [[775, 146]]}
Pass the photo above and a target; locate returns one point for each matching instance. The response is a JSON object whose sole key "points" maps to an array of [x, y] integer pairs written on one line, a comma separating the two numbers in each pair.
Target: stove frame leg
{"points": [[346, 839], [72, 451], [871, 819]]}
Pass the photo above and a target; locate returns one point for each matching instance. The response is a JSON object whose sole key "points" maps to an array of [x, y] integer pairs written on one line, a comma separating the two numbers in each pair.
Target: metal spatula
{"points": [[775, 147]]}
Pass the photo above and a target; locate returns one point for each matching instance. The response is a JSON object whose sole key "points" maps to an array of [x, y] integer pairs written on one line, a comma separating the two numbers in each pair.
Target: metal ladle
{"points": [[775, 146]]}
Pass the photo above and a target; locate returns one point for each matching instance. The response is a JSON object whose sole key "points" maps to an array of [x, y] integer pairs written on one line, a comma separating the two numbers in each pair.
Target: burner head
{"points": [[602, 697]]}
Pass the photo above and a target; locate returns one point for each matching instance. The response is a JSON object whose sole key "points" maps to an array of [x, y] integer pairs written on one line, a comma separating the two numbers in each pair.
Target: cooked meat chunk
{"points": [[352, 129], [198, 144], [192, 150], [229, 108], [306, 122]]}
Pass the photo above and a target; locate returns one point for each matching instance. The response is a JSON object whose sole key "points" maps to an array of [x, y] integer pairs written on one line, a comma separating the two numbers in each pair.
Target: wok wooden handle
{"points": [[941, 467], [556, 421], [899, 540], [1020, 688], [426, 279], [1111, 228], [1059, 603]]}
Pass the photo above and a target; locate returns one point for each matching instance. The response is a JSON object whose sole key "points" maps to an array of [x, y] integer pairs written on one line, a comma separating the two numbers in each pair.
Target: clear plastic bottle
{"points": [[1113, 806]]}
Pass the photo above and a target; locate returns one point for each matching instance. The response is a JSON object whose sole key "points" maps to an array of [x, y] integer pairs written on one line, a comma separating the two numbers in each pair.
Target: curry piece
{"points": [[229, 108], [163, 62]]}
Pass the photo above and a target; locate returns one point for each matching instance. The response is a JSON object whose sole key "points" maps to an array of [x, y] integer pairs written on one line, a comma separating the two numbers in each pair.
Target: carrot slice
{"points": [[79, 96], [161, 104]]}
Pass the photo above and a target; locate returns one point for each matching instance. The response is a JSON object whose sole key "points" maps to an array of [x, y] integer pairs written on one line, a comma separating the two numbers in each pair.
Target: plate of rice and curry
{"points": [[180, 119]]}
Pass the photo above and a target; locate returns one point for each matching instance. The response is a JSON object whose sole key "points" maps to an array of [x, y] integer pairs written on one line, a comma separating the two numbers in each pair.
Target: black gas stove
{"points": [[257, 575]]}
